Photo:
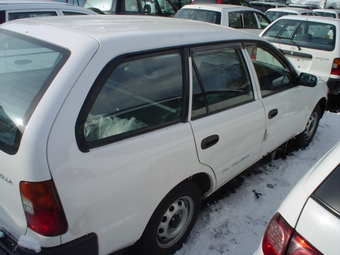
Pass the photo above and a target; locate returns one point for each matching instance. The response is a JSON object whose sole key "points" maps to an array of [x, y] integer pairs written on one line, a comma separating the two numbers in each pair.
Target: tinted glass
{"points": [[328, 193], [201, 15], [138, 95], [26, 69], [222, 81], [31, 14]]}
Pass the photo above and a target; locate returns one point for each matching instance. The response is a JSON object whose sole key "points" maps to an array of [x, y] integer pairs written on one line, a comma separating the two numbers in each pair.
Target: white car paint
{"points": [[312, 221], [110, 191]]}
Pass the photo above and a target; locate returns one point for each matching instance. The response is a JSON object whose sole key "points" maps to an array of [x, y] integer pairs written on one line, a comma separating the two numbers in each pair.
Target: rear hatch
{"points": [[27, 67], [309, 45], [319, 221]]}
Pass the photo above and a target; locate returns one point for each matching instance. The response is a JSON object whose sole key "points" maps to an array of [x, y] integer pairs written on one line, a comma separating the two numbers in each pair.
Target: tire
{"points": [[303, 139], [172, 221]]}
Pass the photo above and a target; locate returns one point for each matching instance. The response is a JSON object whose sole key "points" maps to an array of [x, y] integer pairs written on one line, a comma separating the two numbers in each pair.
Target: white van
{"points": [[312, 44], [114, 140]]}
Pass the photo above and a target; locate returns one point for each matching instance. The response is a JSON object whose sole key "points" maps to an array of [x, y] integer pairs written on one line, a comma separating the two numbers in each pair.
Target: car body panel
{"points": [[112, 190], [319, 226]]}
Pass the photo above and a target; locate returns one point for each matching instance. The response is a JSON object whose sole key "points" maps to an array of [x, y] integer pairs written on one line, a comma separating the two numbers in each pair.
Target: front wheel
{"points": [[172, 221], [307, 135]]}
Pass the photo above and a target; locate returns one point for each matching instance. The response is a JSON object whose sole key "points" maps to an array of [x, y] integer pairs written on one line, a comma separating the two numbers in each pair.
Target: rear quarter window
{"points": [[328, 193]]}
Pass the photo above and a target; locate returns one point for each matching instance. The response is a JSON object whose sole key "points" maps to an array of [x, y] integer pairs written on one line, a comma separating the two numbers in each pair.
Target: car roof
{"points": [[162, 32], [319, 19], [289, 9], [219, 7]]}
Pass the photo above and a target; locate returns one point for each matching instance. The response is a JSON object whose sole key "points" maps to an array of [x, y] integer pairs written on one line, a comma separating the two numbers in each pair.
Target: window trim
{"points": [[100, 81]]}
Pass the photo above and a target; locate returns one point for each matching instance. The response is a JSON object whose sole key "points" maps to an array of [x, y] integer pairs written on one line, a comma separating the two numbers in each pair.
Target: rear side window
{"points": [[139, 95], [201, 15], [328, 193], [221, 80], [305, 34], [31, 14], [27, 67]]}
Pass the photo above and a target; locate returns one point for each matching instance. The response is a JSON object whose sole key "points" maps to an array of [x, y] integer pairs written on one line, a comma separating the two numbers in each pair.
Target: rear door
{"points": [[227, 121]]}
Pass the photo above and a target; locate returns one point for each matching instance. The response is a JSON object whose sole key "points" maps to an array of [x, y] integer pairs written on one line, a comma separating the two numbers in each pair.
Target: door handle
{"points": [[209, 141], [272, 113]]}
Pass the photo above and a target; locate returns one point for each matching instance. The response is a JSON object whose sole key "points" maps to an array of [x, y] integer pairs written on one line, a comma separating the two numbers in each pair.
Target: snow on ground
{"points": [[234, 224]]}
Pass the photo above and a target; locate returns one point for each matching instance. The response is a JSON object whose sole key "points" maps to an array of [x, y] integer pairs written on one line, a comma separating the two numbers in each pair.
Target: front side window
{"points": [[273, 75], [264, 22], [139, 95], [27, 68], [249, 20], [30, 14], [306, 34], [221, 80]]}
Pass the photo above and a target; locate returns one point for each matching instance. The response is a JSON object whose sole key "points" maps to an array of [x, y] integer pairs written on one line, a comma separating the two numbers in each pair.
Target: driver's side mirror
{"points": [[306, 79]]}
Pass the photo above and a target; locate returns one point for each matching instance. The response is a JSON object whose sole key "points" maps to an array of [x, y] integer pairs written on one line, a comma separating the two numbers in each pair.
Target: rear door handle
{"points": [[272, 113], [209, 141]]}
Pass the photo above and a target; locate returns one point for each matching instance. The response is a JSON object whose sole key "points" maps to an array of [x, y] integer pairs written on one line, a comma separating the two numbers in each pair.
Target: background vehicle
{"points": [[308, 220], [329, 13], [263, 6], [324, 4], [114, 140], [311, 44], [234, 2], [276, 13], [19, 9], [239, 17]]}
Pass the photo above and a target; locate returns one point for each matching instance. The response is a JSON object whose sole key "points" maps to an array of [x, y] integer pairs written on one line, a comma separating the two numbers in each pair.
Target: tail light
{"points": [[220, 1], [281, 239], [43, 210], [336, 66]]}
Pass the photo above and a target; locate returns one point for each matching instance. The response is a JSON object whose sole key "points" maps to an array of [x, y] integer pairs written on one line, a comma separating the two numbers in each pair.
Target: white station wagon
{"points": [[114, 140]]}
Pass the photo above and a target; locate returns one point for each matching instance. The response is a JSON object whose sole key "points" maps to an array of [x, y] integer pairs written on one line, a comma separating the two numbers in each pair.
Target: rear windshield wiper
{"points": [[291, 39]]}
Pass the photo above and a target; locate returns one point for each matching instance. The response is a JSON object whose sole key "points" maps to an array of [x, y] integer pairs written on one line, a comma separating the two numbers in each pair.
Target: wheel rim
{"points": [[311, 126], [175, 221]]}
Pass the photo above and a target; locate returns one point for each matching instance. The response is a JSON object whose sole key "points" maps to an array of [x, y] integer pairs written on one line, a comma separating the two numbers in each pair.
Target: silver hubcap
{"points": [[175, 221], [311, 126]]}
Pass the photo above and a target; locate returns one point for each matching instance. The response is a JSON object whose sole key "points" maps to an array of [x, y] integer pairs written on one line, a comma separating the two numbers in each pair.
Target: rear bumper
{"points": [[85, 245], [333, 86]]}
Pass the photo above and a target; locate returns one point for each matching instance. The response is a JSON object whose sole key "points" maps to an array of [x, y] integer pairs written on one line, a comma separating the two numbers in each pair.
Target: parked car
{"points": [[19, 9], [276, 13], [240, 17], [136, 7], [308, 220], [324, 4], [234, 2], [311, 44], [329, 13], [264, 6], [115, 139]]}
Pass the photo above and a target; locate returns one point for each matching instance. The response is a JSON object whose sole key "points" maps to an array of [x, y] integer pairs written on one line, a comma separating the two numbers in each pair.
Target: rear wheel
{"points": [[172, 221], [307, 135]]}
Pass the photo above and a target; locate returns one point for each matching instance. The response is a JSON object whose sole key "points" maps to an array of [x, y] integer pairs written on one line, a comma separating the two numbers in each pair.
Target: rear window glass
{"points": [[23, 15], [201, 15], [27, 67], [328, 193], [305, 34]]}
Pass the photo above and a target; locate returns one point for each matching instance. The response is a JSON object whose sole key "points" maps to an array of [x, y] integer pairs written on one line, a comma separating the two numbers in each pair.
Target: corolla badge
{"points": [[6, 179]]}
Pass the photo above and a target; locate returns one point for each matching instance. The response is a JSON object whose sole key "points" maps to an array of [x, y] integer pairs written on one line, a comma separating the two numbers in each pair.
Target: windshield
{"points": [[26, 69]]}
